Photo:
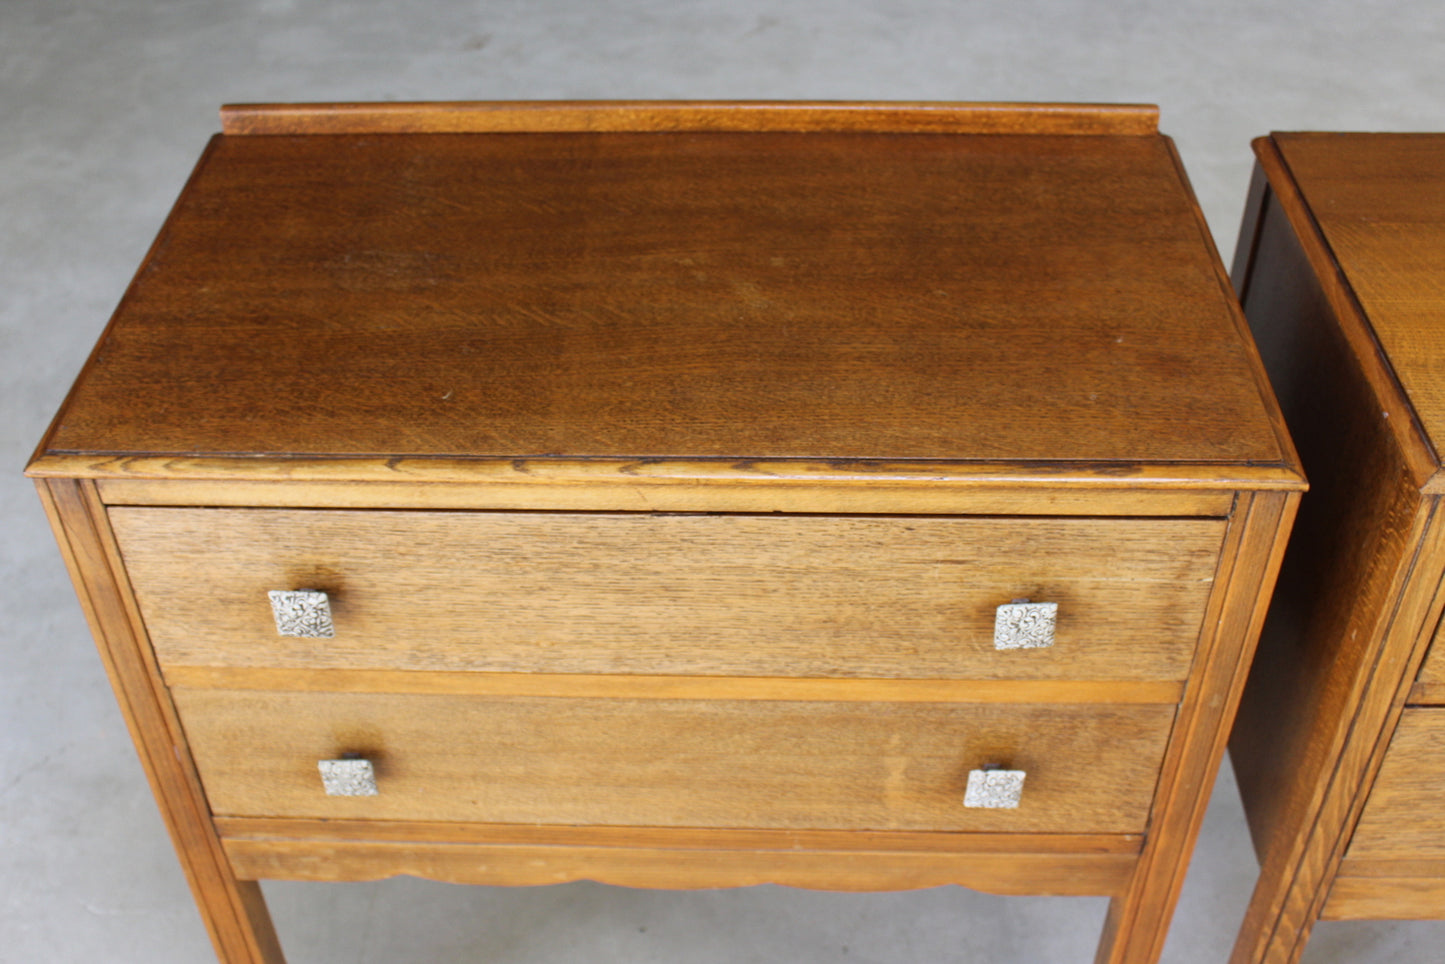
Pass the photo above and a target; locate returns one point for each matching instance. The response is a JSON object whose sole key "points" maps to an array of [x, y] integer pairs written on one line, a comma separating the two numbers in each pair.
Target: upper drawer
{"points": [[901, 597]]}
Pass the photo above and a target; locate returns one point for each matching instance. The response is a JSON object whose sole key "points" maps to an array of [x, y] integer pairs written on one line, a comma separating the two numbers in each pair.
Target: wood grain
{"points": [[233, 910], [685, 594], [1059, 864], [1358, 596], [940, 496], [1403, 819], [1385, 898], [716, 116], [1430, 683], [1379, 201], [765, 409], [1138, 918], [677, 763], [670, 838], [680, 297], [1353, 536], [1427, 693], [639, 687], [1391, 888]]}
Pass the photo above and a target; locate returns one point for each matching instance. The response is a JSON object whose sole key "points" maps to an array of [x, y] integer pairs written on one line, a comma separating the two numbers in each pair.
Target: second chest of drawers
{"points": [[1338, 743]]}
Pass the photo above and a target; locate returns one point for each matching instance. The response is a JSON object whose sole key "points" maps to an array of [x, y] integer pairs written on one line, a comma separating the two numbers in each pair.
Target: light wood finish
{"points": [[750, 336], [234, 911], [1382, 209], [705, 594], [1190, 485], [937, 496], [1138, 919], [1392, 867], [1427, 692], [675, 687], [1430, 683], [1403, 819], [1056, 864], [1371, 897], [677, 763], [708, 438], [695, 116], [1359, 595]]}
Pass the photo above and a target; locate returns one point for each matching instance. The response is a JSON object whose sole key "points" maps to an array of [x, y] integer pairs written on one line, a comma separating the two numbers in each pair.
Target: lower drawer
{"points": [[677, 763], [1403, 819]]}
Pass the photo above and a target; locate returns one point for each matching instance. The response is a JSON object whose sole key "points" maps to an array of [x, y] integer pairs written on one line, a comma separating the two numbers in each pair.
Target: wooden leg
{"points": [[234, 910], [1280, 917], [1138, 918]]}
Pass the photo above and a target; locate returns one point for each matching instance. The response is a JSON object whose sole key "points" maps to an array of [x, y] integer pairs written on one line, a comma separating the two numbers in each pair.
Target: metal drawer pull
{"points": [[348, 778], [1024, 625], [302, 612], [994, 788]]}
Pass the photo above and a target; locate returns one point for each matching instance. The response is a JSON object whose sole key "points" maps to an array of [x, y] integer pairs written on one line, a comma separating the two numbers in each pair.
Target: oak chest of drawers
{"points": [[844, 496], [1340, 742]]}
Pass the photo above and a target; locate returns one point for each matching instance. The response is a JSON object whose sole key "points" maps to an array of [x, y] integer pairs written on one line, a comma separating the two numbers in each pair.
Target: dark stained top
{"points": [[1379, 200], [680, 295]]}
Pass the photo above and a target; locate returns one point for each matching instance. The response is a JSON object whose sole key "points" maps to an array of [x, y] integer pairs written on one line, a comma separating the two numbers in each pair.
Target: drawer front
{"points": [[676, 763], [1430, 684], [901, 597], [1404, 818]]}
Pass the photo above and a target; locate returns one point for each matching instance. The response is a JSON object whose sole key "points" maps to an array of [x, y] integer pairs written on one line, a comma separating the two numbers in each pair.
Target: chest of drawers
{"points": [[845, 496], [1338, 745]]}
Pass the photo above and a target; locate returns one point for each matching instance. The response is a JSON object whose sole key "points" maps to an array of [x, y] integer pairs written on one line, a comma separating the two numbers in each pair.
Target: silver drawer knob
{"points": [[348, 778], [1024, 625], [302, 612], [994, 788]]}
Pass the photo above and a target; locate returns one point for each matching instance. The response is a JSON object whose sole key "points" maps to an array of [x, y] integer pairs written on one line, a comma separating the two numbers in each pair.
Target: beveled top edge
{"points": [[455, 117], [1289, 455], [1400, 411], [549, 471]]}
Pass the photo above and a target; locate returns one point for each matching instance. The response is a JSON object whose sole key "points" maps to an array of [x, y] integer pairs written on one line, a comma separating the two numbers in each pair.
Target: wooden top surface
{"points": [[1379, 201], [822, 296]]}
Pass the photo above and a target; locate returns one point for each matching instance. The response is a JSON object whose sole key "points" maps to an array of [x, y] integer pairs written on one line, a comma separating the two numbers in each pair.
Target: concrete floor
{"points": [[103, 108]]}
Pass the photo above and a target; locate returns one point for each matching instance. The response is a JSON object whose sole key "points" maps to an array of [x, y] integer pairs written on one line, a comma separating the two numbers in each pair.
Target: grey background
{"points": [[103, 109]]}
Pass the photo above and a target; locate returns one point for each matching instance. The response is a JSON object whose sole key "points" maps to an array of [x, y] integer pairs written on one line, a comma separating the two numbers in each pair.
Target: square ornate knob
{"points": [[994, 789], [348, 778], [302, 612], [1024, 625]]}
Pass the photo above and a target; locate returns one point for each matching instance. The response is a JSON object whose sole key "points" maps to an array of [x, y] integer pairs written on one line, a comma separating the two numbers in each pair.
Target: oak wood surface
{"points": [[1427, 693], [1026, 299], [460, 117], [742, 318], [1060, 864], [1403, 819], [651, 687], [1353, 536], [1384, 897], [1379, 201], [1091, 769], [1430, 683], [1138, 918], [1399, 867], [938, 496], [233, 910], [672, 838], [699, 594], [1358, 596]]}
